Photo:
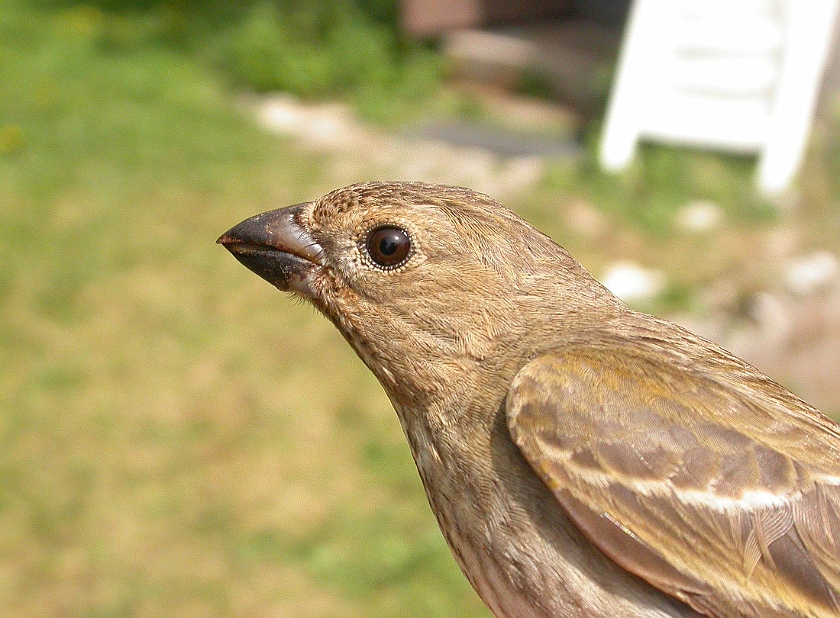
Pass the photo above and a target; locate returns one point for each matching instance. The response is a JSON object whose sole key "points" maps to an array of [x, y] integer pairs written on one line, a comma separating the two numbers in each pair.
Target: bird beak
{"points": [[277, 247]]}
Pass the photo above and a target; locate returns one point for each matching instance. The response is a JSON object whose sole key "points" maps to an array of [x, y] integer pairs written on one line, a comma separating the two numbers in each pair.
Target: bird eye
{"points": [[388, 246]]}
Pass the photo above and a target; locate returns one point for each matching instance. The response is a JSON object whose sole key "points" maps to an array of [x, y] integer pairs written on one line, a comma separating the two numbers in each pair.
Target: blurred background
{"points": [[179, 439]]}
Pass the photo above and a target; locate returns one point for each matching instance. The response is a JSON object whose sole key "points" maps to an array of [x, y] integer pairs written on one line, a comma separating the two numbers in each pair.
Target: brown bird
{"points": [[581, 458]]}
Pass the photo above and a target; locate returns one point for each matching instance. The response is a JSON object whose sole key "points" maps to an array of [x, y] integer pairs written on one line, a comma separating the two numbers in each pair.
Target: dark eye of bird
{"points": [[388, 246]]}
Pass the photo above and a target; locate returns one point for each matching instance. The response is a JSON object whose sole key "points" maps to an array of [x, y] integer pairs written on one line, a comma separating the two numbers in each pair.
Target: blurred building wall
{"points": [[432, 17]]}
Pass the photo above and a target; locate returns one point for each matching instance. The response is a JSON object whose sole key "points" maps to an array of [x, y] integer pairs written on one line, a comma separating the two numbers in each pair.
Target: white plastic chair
{"points": [[738, 75]]}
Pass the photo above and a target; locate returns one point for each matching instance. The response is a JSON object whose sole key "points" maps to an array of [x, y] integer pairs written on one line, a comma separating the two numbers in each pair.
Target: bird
{"points": [[582, 459]]}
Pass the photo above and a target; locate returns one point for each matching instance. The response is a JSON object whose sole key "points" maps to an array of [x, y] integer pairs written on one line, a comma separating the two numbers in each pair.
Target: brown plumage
{"points": [[582, 459]]}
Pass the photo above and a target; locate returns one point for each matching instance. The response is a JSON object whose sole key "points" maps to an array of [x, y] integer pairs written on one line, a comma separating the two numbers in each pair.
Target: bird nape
{"points": [[581, 458]]}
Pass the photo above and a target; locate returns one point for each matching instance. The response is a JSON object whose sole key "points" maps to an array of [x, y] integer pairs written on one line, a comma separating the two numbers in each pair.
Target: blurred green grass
{"points": [[165, 446], [178, 439]]}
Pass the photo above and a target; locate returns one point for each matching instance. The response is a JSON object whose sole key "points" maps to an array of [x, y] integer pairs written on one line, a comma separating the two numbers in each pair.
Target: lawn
{"points": [[168, 443], [177, 438]]}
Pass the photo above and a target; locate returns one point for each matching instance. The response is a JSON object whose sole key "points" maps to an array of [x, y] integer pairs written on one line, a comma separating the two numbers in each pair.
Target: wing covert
{"points": [[724, 493]]}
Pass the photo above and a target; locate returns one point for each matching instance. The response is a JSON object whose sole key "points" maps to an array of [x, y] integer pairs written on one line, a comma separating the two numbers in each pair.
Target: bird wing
{"points": [[716, 486]]}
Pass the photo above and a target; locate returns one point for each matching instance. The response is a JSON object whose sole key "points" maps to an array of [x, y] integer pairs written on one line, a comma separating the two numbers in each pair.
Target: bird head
{"points": [[421, 279]]}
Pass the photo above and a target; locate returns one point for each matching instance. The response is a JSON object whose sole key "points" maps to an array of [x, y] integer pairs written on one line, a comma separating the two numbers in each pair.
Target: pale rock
{"points": [[699, 216], [633, 283], [331, 127], [809, 273], [280, 114]]}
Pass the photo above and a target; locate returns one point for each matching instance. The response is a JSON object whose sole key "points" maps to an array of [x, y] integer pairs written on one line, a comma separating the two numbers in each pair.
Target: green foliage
{"points": [[260, 53], [661, 180], [313, 49], [534, 84], [306, 47]]}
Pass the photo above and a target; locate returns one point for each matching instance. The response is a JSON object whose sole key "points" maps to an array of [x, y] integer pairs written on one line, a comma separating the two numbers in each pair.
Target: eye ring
{"points": [[388, 246]]}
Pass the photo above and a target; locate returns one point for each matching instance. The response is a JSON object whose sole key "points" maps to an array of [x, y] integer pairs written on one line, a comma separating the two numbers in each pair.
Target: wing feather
{"points": [[711, 482]]}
